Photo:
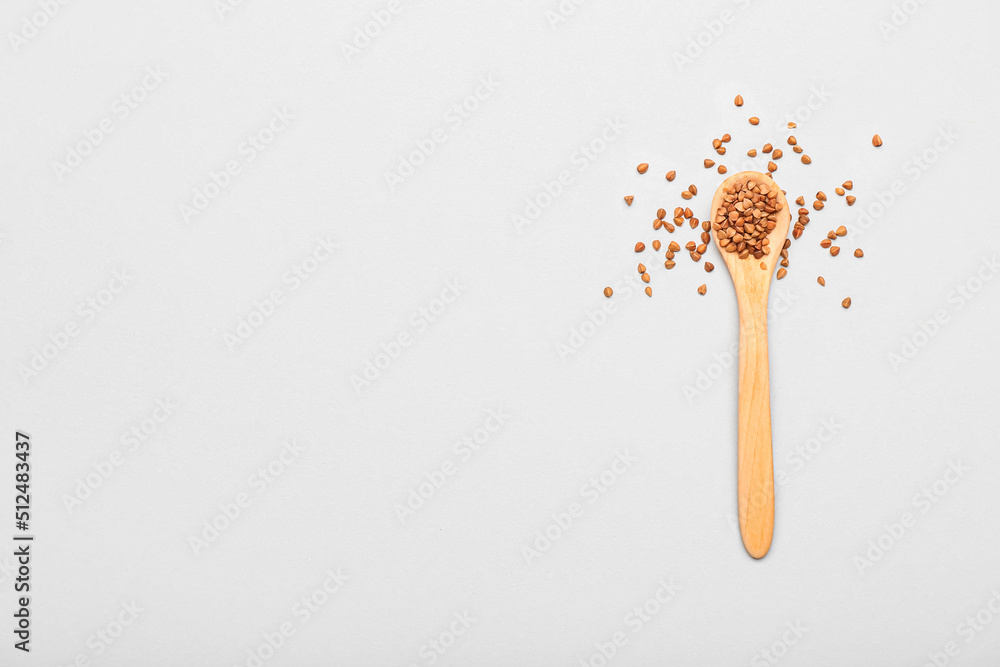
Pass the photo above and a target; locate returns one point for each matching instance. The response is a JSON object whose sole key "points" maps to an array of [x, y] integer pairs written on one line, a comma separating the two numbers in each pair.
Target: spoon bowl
{"points": [[752, 280], [748, 271]]}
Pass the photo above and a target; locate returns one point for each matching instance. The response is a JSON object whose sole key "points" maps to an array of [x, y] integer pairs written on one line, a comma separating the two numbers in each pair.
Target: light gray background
{"points": [[523, 292]]}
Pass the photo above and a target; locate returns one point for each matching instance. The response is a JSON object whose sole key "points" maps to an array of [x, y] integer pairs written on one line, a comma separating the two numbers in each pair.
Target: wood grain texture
{"points": [[755, 487]]}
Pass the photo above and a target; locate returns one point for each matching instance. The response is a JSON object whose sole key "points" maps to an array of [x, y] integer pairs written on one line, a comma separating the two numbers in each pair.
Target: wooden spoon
{"points": [[752, 283]]}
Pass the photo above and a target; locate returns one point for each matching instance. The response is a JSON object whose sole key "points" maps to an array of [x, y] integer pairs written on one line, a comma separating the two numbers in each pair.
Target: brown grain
{"points": [[754, 120], [806, 159], [661, 213], [840, 191], [846, 303], [821, 195], [876, 141], [673, 247], [776, 155], [771, 166], [767, 148], [851, 199], [709, 163], [848, 185], [782, 273], [722, 169], [841, 231], [649, 291], [686, 195], [629, 199], [642, 167], [702, 289], [792, 141], [608, 291], [645, 277], [835, 250], [747, 214], [656, 244], [821, 280], [859, 253], [671, 175], [640, 246], [708, 267], [726, 138], [752, 152], [641, 268], [738, 101]]}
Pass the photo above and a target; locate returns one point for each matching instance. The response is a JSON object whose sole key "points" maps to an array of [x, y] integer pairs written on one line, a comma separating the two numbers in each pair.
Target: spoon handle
{"points": [[756, 467]]}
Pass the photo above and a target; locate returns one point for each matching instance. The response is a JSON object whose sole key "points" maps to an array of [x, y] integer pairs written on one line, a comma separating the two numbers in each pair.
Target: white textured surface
{"points": [[522, 292]]}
